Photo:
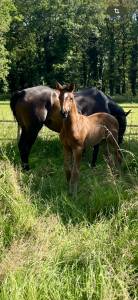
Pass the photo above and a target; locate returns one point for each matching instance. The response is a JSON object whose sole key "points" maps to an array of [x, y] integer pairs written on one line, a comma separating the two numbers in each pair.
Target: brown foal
{"points": [[78, 131]]}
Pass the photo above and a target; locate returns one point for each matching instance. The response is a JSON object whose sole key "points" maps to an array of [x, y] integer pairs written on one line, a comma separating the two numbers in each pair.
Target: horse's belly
{"points": [[94, 137]]}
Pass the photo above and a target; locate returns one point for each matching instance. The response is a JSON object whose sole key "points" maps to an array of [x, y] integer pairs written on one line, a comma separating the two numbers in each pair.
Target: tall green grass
{"points": [[54, 247]]}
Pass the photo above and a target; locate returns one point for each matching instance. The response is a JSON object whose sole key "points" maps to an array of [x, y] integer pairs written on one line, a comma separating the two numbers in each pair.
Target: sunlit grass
{"points": [[9, 130], [54, 247]]}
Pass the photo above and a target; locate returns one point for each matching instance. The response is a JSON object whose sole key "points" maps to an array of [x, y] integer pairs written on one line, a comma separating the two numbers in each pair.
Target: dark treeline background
{"points": [[86, 42]]}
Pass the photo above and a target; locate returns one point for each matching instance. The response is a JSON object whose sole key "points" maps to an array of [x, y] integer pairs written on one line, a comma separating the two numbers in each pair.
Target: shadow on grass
{"points": [[100, 191]]}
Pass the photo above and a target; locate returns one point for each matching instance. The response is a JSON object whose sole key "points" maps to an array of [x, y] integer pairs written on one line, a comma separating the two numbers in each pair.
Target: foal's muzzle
{"points": [[64, 114]]}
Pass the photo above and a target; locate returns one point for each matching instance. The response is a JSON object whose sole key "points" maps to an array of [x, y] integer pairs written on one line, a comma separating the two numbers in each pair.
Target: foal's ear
{"points": [[71, 87], [59, 87]]}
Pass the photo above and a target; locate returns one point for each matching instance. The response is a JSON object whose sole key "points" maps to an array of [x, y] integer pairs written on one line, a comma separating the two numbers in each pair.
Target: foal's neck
{"points": [[71, 124], [73, 115]]}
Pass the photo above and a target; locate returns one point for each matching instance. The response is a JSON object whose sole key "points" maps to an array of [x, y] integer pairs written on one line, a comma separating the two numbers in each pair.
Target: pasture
{"points": [[54, 247]]}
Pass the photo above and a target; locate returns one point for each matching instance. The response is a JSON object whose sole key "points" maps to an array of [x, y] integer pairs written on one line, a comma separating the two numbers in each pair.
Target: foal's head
{"points": [[66, 98]]}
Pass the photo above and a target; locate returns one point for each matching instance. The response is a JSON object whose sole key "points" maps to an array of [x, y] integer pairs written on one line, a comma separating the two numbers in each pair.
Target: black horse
{"points": [[37, 106]]}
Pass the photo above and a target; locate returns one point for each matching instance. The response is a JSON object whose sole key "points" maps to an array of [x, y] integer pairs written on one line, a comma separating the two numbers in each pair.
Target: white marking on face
{"points": [[65, 95]]}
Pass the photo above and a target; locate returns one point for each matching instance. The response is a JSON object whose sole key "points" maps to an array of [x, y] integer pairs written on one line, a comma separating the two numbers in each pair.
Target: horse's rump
{"points": [[31, 106]]}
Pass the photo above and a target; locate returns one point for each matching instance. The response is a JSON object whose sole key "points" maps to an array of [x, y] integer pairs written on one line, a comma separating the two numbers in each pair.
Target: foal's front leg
{"points": [[77, 154], [67, 162]]}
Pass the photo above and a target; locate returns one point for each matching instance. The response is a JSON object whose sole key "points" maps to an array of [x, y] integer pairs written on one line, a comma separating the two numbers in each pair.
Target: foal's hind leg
{"points": [[26, 141], [77, 154]]}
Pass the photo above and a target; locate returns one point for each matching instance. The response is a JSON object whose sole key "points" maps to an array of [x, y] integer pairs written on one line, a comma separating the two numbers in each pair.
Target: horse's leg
{"points": [[23, 149], [95, 154], [77, 154], [67, 162], [26, 141]]}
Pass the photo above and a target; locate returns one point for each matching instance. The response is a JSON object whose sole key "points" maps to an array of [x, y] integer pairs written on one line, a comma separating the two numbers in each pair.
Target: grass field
{"points": [[53, 247]]}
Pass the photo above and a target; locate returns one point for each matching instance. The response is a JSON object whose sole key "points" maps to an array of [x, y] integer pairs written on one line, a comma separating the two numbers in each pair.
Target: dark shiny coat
{"points": [[35, 107]]}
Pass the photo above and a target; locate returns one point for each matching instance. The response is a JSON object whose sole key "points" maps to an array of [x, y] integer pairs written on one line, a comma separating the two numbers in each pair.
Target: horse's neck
{"points": [[55, 101], [72, 119], [73, 116]]}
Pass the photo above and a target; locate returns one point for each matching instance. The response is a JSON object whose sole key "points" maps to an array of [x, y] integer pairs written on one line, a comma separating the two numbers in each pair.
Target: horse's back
{"points": [[103, 118], [31, 105], [90, 101]]}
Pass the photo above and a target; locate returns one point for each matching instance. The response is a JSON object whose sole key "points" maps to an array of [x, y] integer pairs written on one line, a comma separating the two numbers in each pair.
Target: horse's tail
{"points": [[14, 99], [122, 126], [122, 120], [121, 116], [127, 113]]}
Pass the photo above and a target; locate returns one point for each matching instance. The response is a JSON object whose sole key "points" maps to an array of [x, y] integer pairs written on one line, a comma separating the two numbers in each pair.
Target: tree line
{"points": [[83, 41]]}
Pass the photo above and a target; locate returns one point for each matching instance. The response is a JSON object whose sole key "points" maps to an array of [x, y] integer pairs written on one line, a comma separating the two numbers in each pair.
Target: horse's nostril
{"points": [[63, 114]]}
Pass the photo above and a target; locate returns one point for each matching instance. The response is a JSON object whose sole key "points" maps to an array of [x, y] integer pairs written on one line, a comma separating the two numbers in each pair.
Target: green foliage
{"points": [[6, 8], [76, 41]]}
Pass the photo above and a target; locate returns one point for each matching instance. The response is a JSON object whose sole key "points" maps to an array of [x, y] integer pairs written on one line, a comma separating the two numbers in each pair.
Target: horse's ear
{"points": [[127, 113], [71, 87], [59, 87]]}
